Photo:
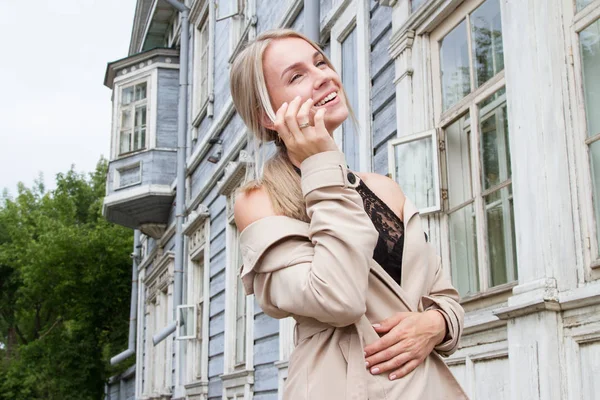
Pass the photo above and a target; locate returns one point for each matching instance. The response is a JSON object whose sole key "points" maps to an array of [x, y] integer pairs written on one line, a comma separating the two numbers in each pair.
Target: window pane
{"points": [[454, 58], [240, 337], [495, 150], [125, 142], [595, 160], [486, 36], [140, 91], [140, 116], [415, 171], [583, 3], [350, 145], [126, 119], [127, 95], [502, 254], [590, 52], [204, 64], [416, 4], [458, 161], [463, 250], [139, 138]]}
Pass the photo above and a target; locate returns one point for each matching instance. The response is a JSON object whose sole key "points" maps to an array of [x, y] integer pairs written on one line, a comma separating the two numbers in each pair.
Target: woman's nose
{"points": [[321, 77]]}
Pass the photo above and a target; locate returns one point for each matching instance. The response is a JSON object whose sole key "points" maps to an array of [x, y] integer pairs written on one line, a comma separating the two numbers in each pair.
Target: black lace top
{"points": [[390, 244]]}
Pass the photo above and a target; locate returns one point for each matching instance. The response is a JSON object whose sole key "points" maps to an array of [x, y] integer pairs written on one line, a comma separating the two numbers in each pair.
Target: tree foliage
{"points": [[64, 290]]}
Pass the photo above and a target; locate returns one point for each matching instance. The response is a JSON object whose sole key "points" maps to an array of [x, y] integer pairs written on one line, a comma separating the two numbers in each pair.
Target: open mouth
{"points": [[331, 96]]}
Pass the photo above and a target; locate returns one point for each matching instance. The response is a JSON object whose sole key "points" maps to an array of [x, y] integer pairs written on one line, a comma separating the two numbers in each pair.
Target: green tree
{"points": [[64, 290]]}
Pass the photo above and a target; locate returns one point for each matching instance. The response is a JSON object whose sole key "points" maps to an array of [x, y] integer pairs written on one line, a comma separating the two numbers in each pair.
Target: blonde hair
{"points": [[252, 102]]}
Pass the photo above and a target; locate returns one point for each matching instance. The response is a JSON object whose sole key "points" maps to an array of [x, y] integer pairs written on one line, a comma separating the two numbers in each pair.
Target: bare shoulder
{"points": [[386, 189], [251, 206]]}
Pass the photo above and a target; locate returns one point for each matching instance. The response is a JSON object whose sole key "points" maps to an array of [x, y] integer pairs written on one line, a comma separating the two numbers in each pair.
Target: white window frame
{"points": [[356, 15], [242, 23], [576, 23], [231, 292], [159, 311], [132, 107], [151, 79], [469, 104], [202, 16], [187, 310], [237, 378], [197, 231], [432, 135]]}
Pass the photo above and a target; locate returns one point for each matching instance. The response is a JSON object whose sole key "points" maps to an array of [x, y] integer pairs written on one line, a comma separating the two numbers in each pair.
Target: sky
{"points": [[55, 111]]}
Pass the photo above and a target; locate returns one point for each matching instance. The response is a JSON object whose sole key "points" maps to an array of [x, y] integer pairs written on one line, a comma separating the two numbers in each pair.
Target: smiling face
{"points": [[292, 67]]}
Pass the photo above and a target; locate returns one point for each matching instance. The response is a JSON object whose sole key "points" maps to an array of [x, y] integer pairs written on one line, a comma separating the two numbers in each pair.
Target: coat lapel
{"points": [[414, 255]]}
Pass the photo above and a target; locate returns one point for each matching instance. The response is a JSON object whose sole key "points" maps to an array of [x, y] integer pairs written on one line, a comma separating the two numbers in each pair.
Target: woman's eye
{"points": [[320, 63], [294, 78]]}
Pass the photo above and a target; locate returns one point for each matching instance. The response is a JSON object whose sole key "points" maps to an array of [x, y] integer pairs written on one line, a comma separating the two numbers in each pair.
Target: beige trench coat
{"points": [[322, 274]]}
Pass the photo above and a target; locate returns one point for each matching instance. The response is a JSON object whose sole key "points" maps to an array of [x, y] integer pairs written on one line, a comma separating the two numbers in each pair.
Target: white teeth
{"points": [[327, 98]]}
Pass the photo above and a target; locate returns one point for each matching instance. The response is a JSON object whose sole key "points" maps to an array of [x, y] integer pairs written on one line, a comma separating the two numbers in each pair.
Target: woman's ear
{"points": [[265, 121]]}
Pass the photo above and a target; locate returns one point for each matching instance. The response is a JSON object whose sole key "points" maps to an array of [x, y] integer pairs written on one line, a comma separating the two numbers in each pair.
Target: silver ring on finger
{"points": [[304, 125]]}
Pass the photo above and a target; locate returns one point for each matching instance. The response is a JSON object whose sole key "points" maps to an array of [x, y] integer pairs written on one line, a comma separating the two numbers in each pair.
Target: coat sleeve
{"points": [[326, 276], [444, 298]]}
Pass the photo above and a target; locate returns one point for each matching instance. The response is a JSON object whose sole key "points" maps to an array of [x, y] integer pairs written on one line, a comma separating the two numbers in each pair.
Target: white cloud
{"points": [[54, 108]]}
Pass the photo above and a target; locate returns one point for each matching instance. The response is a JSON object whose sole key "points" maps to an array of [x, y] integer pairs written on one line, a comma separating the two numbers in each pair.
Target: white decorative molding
{"points": [[401, 43], [199, 7], [197, 390], [291, 13], [234, 172], [543, 295], [155, 231], [195, 219], [387, 3], [481, 320], [238, 384]]}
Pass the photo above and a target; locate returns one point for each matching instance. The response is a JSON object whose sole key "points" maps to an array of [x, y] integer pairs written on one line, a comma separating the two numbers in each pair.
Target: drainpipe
{"points": [[180, 197], [312, 20], [134, 296]]}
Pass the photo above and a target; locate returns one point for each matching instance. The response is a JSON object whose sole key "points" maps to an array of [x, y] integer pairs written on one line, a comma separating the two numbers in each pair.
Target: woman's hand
{"points": [[304, 142], [409, 337]]}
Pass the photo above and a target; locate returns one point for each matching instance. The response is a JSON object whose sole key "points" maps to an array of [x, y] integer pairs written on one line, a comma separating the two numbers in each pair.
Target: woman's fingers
{"points": [[280, 126], [320, 122], [393, 364], [290, 118], [303, 116], [406, 369]]}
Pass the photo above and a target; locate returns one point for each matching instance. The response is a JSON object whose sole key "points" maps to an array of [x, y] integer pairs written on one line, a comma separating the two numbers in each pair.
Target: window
{"points": [[476, 152], [237, 303], [241, 13], [461, 71], [239, 308], [239, 21], [157, 366], [197, 230], [200, 358], [590, 54], [202, 17], [587, 31], [581, 4], [348, 40], [159, 307], [133, 118], [414, 165], [201, 70]]}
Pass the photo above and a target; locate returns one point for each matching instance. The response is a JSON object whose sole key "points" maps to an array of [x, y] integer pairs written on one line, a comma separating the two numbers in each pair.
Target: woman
{"points": [[330, 248]]}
